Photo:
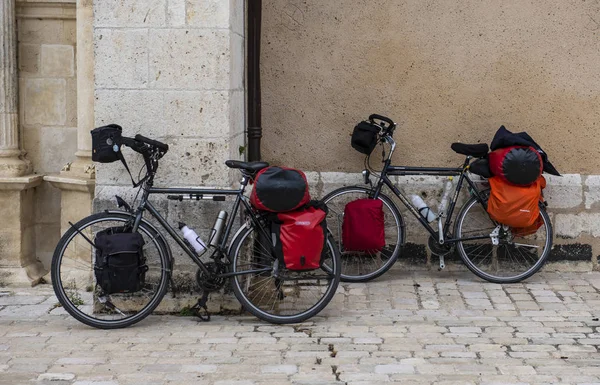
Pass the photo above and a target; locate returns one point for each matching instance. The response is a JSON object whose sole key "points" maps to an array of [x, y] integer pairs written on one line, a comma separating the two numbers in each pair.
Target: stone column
{"points": [[18, 264], [77, 179]]}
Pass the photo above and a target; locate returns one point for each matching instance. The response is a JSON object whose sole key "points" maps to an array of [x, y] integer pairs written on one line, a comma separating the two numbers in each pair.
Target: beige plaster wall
{"points": [[48, 104], [445, 70]]}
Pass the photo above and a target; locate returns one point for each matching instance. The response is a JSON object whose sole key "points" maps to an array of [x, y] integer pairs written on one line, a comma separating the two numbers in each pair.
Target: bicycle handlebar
{"points": [[151, 142], [389, 130]]}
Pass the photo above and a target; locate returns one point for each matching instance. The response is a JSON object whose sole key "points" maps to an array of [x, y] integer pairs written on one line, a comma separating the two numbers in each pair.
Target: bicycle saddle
{"points": [[248, 166], [476, 150]]}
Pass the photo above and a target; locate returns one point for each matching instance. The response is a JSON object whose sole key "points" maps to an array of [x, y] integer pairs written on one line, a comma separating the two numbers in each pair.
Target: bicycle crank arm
{"points": [[442, 263]]}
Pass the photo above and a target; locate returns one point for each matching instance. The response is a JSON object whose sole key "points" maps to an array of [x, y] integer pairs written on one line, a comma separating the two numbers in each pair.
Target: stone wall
{"points": [[445, 71], [48, 105], [172, 70]]}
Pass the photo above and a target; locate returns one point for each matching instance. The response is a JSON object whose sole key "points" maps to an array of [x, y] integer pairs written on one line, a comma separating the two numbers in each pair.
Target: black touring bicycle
{"points": [[107, 292], [493, 251]]}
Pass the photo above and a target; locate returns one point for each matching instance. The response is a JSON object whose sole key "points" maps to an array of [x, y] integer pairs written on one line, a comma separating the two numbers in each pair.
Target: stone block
{"points": [[237, 16], [70, 32], [208, 13], [29, 58], [47, 208], [121, 58], [176, 14], [71, 102], [194, 162], [47, 236], [564, 192], [45, 101], [189, 59], [47, 31], [137, 111], [50, 148], [237, 112], [130, 13], [58, 60], [573, 225], [238, 60], [197, 114], [592, 191], [571, 252]]}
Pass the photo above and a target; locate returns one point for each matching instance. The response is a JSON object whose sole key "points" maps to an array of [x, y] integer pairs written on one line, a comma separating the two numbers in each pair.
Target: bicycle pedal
{"points": [[442, 263]]}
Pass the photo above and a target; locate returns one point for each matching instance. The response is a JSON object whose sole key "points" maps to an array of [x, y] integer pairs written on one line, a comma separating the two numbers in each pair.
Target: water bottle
{"points": [[424, 210], [218, 227], [448, 187], [192, 238]]}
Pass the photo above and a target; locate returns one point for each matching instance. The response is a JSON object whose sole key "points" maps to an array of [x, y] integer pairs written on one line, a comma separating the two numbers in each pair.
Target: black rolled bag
{"points": [[279, 189], [120, 265], [518, 165], [106, 143], [365, 137]]}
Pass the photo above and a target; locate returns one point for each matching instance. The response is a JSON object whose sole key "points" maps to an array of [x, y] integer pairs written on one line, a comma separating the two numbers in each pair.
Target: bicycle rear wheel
{"points": [[74, 281], [364, 266], [289, 297], [515, 258]]}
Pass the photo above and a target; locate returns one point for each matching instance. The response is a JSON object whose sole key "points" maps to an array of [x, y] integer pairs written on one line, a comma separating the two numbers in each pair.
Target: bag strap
{"points": [[122, 159]]}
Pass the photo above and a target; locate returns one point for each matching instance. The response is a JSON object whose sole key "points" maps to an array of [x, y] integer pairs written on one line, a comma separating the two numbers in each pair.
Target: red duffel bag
{"points": [[279, 189], [518, 165], [363, 228]]}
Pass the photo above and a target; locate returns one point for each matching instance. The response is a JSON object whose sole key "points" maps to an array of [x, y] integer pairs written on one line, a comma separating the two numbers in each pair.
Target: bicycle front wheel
{"points": [[364, 266], [74, 281], [285, 297], [517, 256]]}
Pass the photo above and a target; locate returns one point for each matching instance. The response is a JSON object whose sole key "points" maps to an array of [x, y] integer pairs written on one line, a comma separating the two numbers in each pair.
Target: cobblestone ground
{"points": [[418, 327]]}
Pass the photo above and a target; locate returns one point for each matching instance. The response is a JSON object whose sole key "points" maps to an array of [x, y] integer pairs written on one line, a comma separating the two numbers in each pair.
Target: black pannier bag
{"points": [[364, 137], [120, 265], [106, 143], [279, 189]]}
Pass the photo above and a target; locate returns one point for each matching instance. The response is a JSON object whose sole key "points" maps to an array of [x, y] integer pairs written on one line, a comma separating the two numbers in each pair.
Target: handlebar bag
{"points": [[515, 206], [519, 165], [364, 137], [363, 228], [106, 143], [300, 237], [120, 265], [279, 189]]}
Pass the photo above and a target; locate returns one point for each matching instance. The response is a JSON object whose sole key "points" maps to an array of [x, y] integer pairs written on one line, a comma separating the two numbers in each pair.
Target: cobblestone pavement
{"points": [[407, 327]]}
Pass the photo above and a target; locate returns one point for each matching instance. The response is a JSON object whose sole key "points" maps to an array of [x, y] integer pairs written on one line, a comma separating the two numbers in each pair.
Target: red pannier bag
{"points": [[519, 165], [300, 237], [363, 228], [279, 189], [516, 206]]}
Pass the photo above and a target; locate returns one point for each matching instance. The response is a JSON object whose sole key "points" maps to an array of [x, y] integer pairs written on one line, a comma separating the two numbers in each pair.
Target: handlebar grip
{"points": [[143, 139], [382, 118]]}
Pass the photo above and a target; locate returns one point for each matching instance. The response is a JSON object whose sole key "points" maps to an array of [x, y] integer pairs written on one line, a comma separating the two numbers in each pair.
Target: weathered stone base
{"points": [[18, 263], [76, 198]]}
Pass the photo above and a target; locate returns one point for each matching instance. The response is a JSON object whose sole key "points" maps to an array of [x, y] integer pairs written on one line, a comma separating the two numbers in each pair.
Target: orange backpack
{"points": [[516, 206]]}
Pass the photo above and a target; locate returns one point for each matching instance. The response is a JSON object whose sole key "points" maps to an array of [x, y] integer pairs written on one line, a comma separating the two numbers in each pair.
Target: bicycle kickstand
{"points": [[200, 307]]}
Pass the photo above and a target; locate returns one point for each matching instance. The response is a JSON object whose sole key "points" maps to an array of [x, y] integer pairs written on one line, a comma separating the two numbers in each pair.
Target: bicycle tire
{"points": [[65, 295], [255, 309], [348, 274], [469, 261]]}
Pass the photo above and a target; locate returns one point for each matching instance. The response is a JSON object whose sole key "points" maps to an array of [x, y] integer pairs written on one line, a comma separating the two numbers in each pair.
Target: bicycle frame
{"points": [[461, 172], [145, 204]]}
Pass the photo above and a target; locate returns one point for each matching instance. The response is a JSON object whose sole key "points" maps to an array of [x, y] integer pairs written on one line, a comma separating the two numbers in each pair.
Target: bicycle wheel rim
{"points": [[305, 293], [75, 286], [510, 261], [364, 266]]}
